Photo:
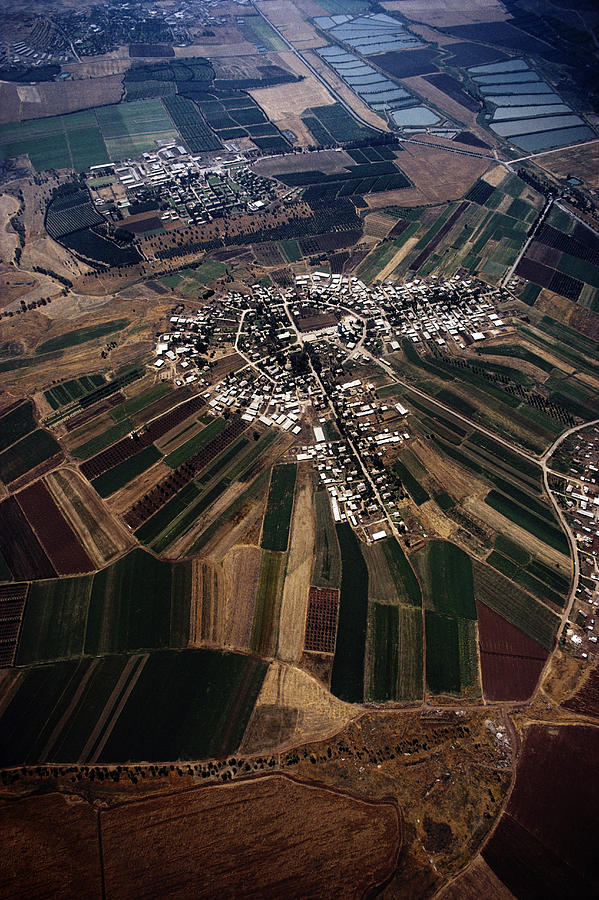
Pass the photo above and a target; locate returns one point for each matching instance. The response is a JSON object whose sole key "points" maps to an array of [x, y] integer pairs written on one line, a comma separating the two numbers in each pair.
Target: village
{"points": [[171, 187], [305, 360], [578, 492]]}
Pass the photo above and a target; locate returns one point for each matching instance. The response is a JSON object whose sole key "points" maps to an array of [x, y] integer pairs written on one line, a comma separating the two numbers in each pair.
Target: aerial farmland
{"points": [[299, 449]]}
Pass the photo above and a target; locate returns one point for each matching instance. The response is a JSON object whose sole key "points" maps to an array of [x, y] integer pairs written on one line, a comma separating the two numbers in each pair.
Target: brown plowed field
{"points": [[321, 622], [57, 537], [545, 843], [272, 837], [50, 849], [474, 883], [511, 662], [586, 699]]}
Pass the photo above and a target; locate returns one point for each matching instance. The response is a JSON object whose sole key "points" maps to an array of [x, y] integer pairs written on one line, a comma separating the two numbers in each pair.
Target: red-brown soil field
{"points": [[56, 535], [586, 699], [545, 843], [49, 849], [511, 662]]}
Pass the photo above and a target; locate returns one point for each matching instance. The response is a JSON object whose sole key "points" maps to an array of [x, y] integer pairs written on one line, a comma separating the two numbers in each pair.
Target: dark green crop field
{"points": [[277, 518]]}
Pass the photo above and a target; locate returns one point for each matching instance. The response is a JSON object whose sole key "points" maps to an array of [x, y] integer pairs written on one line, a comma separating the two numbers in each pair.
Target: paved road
{"points": [[510, 272], [562, 519], [317, 75]]}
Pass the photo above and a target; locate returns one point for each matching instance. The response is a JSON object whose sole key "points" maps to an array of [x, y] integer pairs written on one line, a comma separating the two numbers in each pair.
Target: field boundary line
{"points": [[141, 661], [68, 712], [109, 705]]}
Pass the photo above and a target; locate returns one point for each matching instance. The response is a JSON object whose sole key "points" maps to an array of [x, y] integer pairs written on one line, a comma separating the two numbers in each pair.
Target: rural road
{"points": [[563, 521], [318, 76]]}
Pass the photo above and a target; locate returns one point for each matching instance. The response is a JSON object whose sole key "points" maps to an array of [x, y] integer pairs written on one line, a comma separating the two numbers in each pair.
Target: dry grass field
{"points": [[285, 16], [293, 707], [442, 13], [294, 604], [583, 162], [328, 161], [102, 535], [57, 98], [453, 176]]}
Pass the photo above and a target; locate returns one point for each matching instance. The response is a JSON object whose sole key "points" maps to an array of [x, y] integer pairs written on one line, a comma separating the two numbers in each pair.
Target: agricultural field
{"points": [[450, 619], [545, 831], [277, 518], [26, 454], [92, 137], [347, 679], [177, 706]]}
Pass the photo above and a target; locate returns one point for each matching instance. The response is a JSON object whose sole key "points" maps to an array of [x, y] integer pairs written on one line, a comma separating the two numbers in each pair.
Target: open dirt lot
{"points": [[291, 23], [293, 707], [438, 176], [582, 162], [445, 13], [297, 577]]}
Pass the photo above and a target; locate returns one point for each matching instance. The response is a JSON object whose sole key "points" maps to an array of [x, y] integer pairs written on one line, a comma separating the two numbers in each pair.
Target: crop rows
{"points": [[55, 534], [172, 484], [128, 446], [12, 603], [321, 621]]}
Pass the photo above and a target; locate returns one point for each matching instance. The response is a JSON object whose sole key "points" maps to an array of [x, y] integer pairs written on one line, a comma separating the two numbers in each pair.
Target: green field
{"points": [[183, 453], [137, 603], [140, 401], [256, 30], [102, 440], [91, 137], [56, 142], [68, 391], [541, 528], [347, 678], [130, 129], [384, 652], [406, 583], [446, 574], [526, 579], [193, 704], [189, 705], [265, 627], [326, 568], [26, 454], [54, 620], [15, 424], [416, 491], [277, 518], [410, 667], [395, 654], [451, 655], [120, 475], [82, 335]]}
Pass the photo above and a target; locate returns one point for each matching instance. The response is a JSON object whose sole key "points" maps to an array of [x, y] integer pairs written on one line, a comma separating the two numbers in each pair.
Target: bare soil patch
{"points": [[293, 707], [445, 13]]}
